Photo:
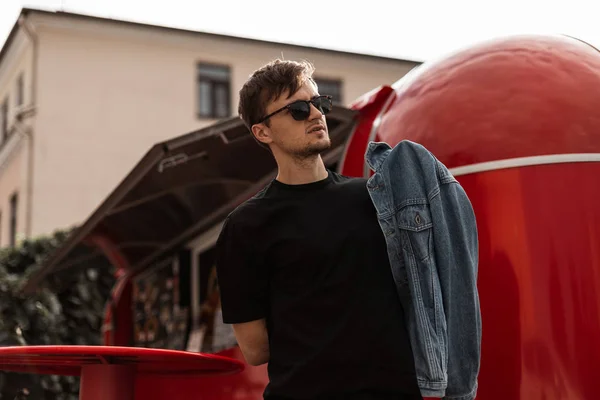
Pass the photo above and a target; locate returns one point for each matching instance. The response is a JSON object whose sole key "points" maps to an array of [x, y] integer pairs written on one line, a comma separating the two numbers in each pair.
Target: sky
{"points": [[415, 30]]}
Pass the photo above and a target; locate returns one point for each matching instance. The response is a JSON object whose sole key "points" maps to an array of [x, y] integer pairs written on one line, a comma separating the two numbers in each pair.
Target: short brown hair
{"points": [[268, 83]]}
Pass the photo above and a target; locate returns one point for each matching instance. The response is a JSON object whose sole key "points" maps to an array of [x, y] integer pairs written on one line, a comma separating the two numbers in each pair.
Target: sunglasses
{"points": [[300, 109]]}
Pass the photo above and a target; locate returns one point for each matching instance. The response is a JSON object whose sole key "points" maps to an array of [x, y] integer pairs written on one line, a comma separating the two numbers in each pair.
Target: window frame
{"points": [[20, 90], [337, 100], [4, 119], [214, 83], [13, 205]]}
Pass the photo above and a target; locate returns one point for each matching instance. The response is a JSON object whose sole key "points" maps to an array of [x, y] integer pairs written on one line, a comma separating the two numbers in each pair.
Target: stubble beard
{"points": [[312, 150]]}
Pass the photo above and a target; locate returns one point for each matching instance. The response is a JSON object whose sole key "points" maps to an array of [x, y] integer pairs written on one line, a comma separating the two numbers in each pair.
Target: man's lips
{"points": [[316, 128]]}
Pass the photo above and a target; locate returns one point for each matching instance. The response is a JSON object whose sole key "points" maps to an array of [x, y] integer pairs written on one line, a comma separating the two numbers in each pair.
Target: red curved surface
{"points": [[507, 98], [69, 360], [247, 385], [370, 106], [539, 280]]}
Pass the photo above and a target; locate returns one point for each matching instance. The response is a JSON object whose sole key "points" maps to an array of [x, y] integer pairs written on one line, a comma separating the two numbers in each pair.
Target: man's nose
{"points": [[315, 112]]}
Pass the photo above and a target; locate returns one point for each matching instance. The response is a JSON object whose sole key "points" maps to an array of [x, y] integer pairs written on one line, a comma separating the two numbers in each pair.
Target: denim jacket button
{"points": [[418, 219]]}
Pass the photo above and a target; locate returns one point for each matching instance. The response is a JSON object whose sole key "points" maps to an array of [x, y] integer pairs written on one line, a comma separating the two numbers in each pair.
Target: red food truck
{"points": [[515, 119]]}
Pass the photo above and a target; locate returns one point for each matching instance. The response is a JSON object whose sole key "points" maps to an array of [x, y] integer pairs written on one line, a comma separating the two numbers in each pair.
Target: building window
{"points": [[332, 88], [20, 90], [213, 91], [14, 200], [4, 120]]}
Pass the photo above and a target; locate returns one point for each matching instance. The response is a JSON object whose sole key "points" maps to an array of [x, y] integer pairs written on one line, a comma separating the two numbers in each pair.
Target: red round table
{"points": [[108, 372]]}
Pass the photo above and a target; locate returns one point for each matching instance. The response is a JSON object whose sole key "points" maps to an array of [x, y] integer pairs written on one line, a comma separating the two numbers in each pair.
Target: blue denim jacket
{"points": [[431, 235]]}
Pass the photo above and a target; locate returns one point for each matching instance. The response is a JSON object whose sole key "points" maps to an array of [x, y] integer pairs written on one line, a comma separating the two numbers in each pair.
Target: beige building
{"points": [[82, 98]]}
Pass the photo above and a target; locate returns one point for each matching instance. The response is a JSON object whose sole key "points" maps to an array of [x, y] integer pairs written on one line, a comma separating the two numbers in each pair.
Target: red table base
{"points": [[109, 372], [101, 382]]}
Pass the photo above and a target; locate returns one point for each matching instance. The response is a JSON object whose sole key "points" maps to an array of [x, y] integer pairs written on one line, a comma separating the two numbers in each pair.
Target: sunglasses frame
{"points": [[309, 102]]}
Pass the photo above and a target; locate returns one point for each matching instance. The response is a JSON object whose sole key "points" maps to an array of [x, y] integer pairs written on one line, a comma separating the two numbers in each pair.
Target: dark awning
{"points": [[181, 188]]}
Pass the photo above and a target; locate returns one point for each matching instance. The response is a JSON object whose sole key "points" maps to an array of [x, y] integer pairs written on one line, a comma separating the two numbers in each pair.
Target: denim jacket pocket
{"points": [[416, 220]]}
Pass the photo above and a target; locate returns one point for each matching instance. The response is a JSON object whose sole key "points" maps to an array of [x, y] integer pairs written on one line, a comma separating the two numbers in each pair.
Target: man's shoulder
{"points": [[348, 181], [248, 207]]}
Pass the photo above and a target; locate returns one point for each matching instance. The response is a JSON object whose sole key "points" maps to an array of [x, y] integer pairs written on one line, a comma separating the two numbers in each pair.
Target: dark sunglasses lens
{"points": [[300, 110], [323, 104]]}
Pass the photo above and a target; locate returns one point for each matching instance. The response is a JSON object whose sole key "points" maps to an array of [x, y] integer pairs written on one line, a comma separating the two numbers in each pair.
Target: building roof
{"points": [[180, 189], [62, 14]]}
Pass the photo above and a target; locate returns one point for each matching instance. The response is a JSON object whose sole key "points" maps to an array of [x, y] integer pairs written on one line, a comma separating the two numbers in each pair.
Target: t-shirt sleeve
{"points": [[242, 277]]}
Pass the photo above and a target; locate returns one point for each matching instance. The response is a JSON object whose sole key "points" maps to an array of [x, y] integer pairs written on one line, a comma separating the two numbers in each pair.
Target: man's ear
{"points": [[262, 133]]}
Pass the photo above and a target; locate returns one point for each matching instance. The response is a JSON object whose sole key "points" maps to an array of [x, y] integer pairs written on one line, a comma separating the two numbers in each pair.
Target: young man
{"points": [[303, 266]]}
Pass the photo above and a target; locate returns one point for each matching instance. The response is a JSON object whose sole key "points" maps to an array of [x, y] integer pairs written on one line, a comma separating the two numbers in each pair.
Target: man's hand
{"points": [[253, 340]]}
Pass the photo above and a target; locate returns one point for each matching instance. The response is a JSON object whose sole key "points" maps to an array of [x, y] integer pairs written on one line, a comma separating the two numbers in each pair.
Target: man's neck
{"points": [[301, 172]]}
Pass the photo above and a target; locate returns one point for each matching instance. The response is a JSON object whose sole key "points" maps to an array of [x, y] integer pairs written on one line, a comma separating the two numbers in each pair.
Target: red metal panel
{"points": [[371, 106], [539, 275]]}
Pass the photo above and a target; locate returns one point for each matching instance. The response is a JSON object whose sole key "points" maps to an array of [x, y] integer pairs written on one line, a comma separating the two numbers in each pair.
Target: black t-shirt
{"points": [[313, 261]]}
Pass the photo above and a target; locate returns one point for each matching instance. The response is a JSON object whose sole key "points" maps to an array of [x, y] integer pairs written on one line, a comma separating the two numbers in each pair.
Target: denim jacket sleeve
{"points": [[431, 234]]}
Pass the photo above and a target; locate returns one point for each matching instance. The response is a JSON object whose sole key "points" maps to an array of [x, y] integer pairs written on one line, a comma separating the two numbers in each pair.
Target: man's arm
{"points": [[253, 340], [243, 284]]}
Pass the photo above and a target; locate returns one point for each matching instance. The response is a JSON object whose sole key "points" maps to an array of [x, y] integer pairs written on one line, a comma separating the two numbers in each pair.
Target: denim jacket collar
{"points": [[376, 154]]}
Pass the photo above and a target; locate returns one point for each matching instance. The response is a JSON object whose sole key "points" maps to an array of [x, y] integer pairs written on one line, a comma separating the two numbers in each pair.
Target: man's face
{"points": [[298, 139]]}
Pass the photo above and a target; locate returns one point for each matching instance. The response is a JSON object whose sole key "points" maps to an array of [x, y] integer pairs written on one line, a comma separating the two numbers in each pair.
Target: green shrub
{"points": [[67, 309]]}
